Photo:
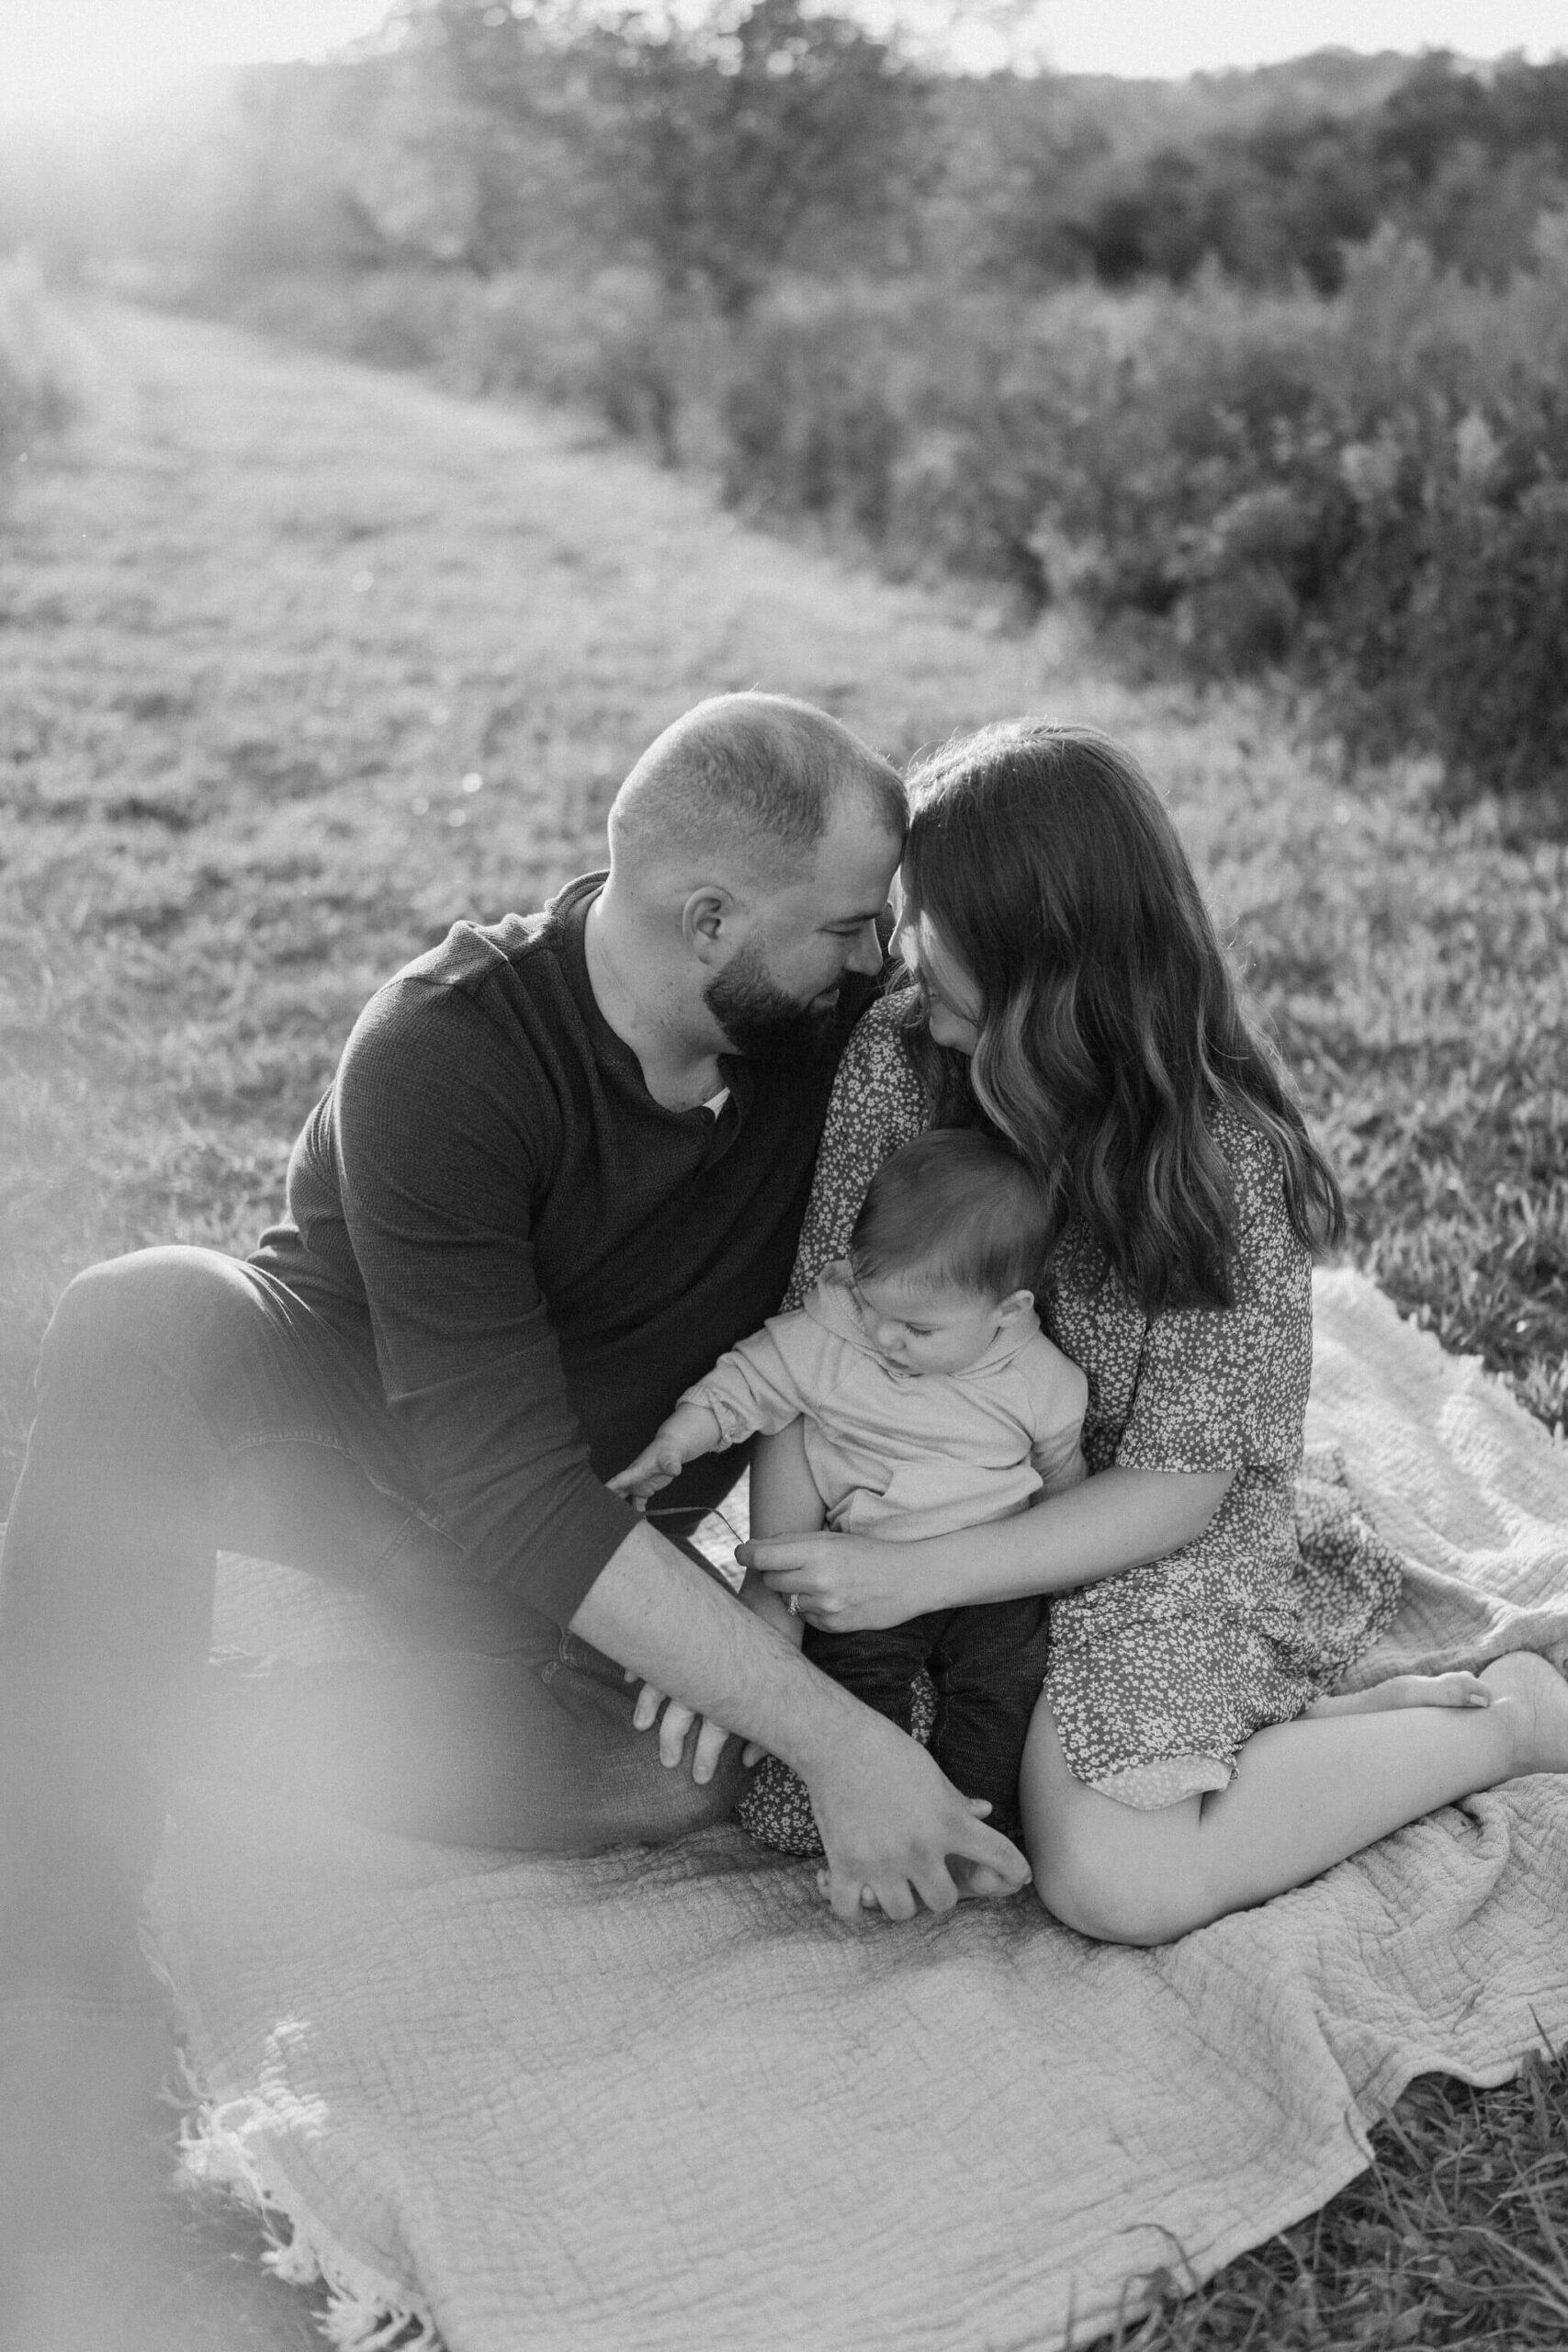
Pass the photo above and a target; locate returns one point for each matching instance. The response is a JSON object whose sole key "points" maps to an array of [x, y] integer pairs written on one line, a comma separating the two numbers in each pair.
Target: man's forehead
{"points": [[854, 870]]}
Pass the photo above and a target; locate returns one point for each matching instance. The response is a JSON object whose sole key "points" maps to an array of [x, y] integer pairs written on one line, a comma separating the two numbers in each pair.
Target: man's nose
{"points": [[866, 954]]}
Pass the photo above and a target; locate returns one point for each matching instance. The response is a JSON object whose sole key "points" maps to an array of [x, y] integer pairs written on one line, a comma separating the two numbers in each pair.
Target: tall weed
{"points": [[1368, 492], [609, 342], [37, 396]]}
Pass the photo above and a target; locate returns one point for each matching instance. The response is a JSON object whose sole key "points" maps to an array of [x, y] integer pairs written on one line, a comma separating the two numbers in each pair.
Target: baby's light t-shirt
{"points": [[897, 1453]]}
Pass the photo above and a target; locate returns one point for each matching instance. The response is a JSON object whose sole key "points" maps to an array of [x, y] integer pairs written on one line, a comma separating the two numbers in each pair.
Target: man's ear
{"points": [[708, 920], [1017, 1303]]}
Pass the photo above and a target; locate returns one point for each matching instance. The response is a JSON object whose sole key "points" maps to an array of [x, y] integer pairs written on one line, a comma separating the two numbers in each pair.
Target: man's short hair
{"points": [[756, 778], [954, 1206]]}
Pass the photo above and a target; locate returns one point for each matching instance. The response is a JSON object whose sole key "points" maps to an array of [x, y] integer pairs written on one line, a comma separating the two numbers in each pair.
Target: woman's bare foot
{"points": [[1533, 1686], [1407, 1690], [978, 1882]]}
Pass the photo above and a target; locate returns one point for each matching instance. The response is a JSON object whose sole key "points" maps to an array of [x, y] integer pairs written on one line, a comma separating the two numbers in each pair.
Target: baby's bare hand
{"points": [[654, 1469]]}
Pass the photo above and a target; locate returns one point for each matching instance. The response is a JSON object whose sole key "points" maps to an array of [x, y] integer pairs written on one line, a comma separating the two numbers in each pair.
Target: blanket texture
{"points": [[664, 2099]]}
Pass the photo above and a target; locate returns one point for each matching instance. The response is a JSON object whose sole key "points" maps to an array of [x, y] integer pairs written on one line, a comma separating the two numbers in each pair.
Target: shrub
{"points": [[1371, 489]]}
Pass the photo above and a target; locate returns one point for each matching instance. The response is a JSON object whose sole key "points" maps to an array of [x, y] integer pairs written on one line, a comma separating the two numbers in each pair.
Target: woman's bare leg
{"points": [[1306, 1795]]}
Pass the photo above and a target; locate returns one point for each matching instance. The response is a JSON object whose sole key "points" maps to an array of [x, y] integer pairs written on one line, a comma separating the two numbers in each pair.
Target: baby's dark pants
{"points": [[987, 1665], [190, 1402]]}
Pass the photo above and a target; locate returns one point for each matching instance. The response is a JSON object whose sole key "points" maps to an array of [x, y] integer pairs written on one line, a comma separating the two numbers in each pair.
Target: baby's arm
{"points": [[691, 1430], [1059, 1460], [754, 1385]]}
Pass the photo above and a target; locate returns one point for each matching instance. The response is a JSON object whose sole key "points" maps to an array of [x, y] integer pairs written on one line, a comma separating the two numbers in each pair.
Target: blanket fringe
{"points": [[219, 2149]]}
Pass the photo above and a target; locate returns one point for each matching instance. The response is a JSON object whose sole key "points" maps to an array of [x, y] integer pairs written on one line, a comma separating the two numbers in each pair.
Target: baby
{"points": [[932, 1401]]}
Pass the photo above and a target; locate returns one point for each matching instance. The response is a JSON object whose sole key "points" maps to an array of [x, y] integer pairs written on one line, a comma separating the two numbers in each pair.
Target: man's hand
{"points": [[677, 1722], [890, 1822], [897, 1834]]}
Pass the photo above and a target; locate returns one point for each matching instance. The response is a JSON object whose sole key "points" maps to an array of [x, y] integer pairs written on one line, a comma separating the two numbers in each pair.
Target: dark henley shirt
{"points": [[542, 1255]]}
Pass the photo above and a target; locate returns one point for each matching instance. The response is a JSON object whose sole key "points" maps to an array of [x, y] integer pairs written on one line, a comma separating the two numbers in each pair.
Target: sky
{"points": [[62, 59]]}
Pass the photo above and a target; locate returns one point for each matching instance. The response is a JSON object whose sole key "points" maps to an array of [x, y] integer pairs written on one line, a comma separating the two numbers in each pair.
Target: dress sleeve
{"points": [[1224, 1388], [878, 1104]]}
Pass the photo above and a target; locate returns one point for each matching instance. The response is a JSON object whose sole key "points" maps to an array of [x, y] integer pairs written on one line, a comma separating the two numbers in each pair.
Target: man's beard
{"points": [[760, 1019]]}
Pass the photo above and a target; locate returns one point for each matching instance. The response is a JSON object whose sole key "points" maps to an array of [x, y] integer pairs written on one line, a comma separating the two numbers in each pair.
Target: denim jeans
{"points": [[986, 1663], [190, 1402]]}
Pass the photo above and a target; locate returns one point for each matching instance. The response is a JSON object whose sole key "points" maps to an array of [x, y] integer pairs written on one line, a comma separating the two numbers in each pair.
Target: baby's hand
{"points": [[655, 1468]]}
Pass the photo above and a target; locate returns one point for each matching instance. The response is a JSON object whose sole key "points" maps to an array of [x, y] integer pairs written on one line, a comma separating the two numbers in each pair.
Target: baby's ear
{"points": [[1017, 1303]]}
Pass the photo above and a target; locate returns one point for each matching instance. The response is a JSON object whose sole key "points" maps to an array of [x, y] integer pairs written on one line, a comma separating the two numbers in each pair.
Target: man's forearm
{"points": [[654, 1611], [893, 1829]]}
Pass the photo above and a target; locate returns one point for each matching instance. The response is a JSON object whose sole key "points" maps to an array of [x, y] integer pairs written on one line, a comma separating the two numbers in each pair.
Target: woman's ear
{"points": [[1016, 1304], [707, 921]]}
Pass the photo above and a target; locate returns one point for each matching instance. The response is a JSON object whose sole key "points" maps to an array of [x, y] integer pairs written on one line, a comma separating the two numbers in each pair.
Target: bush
{"points": [[1369, 490]]}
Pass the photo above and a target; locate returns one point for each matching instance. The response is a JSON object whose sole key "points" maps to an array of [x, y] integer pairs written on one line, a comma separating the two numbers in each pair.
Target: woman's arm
{"points": [[1114, 1521]]}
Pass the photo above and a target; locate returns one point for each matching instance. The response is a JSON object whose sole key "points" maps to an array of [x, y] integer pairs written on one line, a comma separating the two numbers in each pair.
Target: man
{"points": [[561, 1167]]}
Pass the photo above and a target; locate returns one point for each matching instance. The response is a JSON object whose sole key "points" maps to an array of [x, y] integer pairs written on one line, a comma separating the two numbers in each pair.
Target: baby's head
{"points": [[946, 1249]]}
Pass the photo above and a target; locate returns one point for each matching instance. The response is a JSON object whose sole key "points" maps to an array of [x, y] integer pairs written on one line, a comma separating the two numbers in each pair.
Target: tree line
{"points": [[1266, 371], [725, 150]]}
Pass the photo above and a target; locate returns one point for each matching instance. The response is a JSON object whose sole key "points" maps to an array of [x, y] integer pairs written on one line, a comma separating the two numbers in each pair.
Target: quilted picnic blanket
{"points": [[662, 2099]]}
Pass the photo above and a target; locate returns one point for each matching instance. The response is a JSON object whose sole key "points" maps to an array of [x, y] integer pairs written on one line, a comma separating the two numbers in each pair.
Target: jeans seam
{"points": [[330, 1443], [305, 1436]]}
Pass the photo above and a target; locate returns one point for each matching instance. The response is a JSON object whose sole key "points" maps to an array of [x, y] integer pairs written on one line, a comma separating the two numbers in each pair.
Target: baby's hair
{"points": [[959, 1206]]}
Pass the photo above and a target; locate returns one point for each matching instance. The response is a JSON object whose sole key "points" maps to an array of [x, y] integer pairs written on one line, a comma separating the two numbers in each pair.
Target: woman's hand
{"points": [[841, 1584]]}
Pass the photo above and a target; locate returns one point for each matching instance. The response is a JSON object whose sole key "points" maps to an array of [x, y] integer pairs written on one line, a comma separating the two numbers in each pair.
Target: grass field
{"points": [[302, 662]]}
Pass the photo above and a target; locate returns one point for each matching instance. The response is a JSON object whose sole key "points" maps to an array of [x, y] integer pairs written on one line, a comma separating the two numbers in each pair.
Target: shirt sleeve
{"points": [[1058, 1401], [440, 1130], [1224, 1388], [878, 1105], [763, 1383]]}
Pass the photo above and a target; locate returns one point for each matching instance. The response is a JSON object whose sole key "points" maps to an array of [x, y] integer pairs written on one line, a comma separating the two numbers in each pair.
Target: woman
{"points": [[1070, 992]]}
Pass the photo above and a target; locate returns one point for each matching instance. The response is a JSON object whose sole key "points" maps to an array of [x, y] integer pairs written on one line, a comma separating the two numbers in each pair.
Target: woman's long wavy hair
{"points": [[1111, 1024]]}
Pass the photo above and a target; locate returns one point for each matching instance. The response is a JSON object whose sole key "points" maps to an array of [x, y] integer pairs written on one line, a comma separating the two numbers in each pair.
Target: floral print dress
{"points": [[1157, 1676]]}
